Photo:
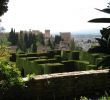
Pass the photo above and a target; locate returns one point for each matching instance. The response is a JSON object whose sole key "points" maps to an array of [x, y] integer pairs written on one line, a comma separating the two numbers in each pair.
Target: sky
{"points": [[56, 15]]}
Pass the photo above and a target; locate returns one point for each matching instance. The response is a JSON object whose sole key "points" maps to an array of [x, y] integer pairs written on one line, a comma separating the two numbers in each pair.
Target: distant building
{"points": [[65, 40], [65, 36], [47, 34]]}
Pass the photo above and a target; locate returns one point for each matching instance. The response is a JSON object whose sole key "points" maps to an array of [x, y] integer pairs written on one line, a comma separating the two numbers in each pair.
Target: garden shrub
{"points": [[31, 54], [13, 57], [89, 67], [93, 58], [52, 60], [35, 68], [21, 55], [10, 78], [53, 68], [43, 57], [65, 54], [42, 54], [57, 52], [74, 55], [58, 58], [51, 53], [31, 58], [40, 61], [68, 65], [84, 56], [80, 65]]}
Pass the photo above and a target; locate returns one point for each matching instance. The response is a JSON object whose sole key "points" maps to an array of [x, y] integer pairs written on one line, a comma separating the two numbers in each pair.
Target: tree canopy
{"points": [[3, 6], [102, 20]]}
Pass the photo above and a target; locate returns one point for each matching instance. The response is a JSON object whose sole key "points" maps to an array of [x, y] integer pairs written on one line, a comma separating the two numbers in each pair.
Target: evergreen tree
{"points": [[26, 40], [13, 37], [57, 39], [40, 38], [72, 44], [3, 6], [34, 48]]}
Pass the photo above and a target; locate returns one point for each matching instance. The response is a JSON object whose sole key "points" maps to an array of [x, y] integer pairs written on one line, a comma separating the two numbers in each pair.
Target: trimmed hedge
{"points": [[53, 68], [58, 58], [68, 65], [89, 67], [31, 58], [74, 55], [13, 57], [80, 65], [32, 55], [40, 61], [42, 54], [65, 54], [51, 53], [57, 52], [35, 68]]}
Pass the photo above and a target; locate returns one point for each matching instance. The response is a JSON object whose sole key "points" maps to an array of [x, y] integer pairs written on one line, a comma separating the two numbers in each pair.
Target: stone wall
{"points": [[68, 85]]}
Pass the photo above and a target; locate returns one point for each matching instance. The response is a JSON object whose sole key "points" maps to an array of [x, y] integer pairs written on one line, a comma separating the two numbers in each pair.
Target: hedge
{"points": [[68, 65], [31, 58], [50, 53], [74, 55], [13, 57], [57, 52], [65, 54], [35, 68], [58, 58], [80, 65], [89, 67], [53, 68]]}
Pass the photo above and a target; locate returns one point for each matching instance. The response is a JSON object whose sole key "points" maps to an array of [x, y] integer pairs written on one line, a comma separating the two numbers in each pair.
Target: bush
{"points": [[13, 57], [65, 54], [31, 58], [57, 52], [35, 68], [32, 55], [51, 53], [53, 68], [68, 65], [81, 65], [89, 67], [10, 77], [58, 58], [74, 55]]}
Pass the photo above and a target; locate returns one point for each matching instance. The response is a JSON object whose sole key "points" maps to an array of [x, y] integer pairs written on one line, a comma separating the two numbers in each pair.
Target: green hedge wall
{"points": [[58, 58], [80, 65], [68, 65], [53, 68], [74, 55], [65, 54], [57, 52], [13, 57]]}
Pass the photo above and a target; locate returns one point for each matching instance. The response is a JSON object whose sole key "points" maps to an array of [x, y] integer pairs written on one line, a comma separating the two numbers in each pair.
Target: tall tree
{"points": [[3, 6], [57, 39]]}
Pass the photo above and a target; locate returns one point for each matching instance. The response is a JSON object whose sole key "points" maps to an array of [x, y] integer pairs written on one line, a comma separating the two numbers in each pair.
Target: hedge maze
{"points": [[56, 61]]}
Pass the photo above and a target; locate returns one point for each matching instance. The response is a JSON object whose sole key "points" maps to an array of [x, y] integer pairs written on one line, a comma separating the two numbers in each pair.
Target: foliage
{"points": [[104, 41], [72, 44], [9, 77], [57, 39], [40, 39], [13, 37], [34, 48], [3, 6], [50, 44]]}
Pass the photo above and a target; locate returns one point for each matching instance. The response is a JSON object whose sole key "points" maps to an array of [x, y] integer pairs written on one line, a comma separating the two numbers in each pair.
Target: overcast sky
{"points": [[56, 15]]}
